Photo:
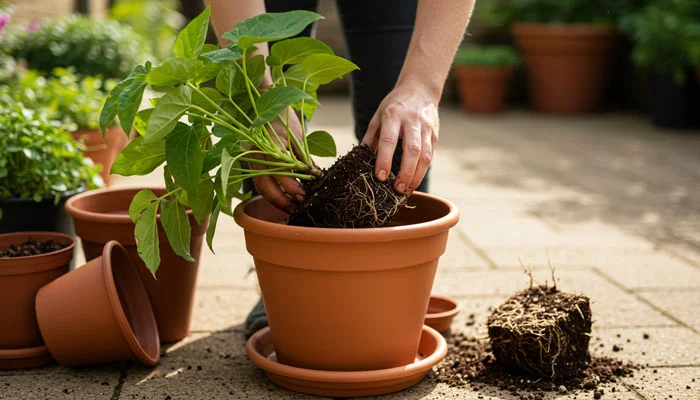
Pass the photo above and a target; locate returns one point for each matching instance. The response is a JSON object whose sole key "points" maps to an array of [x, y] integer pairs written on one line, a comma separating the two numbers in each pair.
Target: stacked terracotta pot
{"points": [[102, 150]]}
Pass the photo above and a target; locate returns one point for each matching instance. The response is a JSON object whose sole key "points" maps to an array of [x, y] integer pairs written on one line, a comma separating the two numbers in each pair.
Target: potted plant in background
{"points": [[318, 283], [666, 36], [41, 166], [568, 48], [482, 74]]}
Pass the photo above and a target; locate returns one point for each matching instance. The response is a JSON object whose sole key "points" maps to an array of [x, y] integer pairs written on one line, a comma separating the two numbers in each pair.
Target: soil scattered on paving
{"points": [[31, 248], [349, 195]]}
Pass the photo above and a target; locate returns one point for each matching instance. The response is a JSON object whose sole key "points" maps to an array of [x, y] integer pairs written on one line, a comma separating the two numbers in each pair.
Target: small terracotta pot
{"points": [[347, 299], [21, 345], [567, 65], [102, 215], [482, 90], [101, 150], [441, 312], [99, 313]]}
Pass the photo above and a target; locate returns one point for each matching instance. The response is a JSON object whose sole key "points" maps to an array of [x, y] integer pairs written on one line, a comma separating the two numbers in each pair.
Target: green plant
{"points": [[39, 159], [91, 47], [237, 112], [487, 56], [157, 20], [666, 36], [500, 13], [63, 96]]}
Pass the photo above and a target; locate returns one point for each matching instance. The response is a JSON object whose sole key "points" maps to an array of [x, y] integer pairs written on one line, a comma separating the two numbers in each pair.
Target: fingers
{"points": [[292, 187], [272, 191], [411, 153], [426, 157], [386, 145], [370, 138]]}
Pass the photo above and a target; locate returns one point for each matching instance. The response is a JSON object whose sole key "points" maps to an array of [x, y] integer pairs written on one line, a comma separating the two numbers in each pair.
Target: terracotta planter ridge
{"points": [[482, 90], [21, 344], [347, 299], [99, 313], [567, 65], [101, 150], [102, 215]]}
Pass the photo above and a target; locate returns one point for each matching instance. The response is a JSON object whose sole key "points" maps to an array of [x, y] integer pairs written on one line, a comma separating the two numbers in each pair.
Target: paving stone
{"points": [[682, 304], [58, 382], [654, 271], [667, 383], [218, 309], [664, 346], [459, 255]]}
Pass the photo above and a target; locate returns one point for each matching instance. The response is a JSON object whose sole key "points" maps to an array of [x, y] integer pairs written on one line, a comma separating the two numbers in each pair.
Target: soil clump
{"points": [[31, 248]]}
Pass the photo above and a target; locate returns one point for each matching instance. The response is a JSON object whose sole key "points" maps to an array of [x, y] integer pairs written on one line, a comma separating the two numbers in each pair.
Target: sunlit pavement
{"points": [[611, 201]]}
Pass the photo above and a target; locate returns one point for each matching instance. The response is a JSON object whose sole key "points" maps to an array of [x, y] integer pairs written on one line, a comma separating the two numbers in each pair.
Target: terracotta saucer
{"points": [[25, 358], [441, 312], [431, 350]]}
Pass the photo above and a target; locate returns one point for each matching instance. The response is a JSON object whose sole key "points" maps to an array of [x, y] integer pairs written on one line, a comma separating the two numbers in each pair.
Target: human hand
{"points": [[281, 191], [408, 112]]}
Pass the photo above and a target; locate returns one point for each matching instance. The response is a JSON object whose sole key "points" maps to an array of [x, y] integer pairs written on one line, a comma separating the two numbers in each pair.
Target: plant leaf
{"points": [[141, 200], [111, 106], [292, 51], [139, 158], [207, 71], [321, 144], [226, 163], [129, 103], [174, 71], [202, 201], [141, 120], [191, 39], [213, 218], [124, 99], [166, 113], [146, 234], [271, 103], [228, 53], [323, 68], [177, 228], [270, 27], [183, 154], [213, 156]]}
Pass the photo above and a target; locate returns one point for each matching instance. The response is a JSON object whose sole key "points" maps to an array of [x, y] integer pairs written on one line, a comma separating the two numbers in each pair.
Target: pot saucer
{"points": [[431, 350], [25, 358], [441, 312]]}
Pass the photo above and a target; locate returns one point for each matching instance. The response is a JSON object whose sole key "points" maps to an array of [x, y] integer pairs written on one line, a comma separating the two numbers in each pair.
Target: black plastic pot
{"points": [[19, 215], [675, 105]]}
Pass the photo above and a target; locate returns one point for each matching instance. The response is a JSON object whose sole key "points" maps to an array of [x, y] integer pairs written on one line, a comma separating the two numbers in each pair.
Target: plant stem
{"points": [[218, 108], [247, 82]]}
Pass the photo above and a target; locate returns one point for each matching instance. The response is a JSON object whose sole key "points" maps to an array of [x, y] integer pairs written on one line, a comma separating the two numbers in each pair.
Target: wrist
{"points": [[432, 91]]}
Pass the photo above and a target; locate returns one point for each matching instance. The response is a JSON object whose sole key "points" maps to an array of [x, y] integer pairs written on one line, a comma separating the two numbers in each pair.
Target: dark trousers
{"points": [[377, 33]]}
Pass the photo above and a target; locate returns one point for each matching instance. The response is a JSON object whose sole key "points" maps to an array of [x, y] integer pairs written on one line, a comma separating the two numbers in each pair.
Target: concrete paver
{"points": [[667, 383]]}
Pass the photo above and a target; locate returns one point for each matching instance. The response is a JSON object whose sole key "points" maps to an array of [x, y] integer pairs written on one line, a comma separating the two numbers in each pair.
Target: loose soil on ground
{"points": [[31, 248]]}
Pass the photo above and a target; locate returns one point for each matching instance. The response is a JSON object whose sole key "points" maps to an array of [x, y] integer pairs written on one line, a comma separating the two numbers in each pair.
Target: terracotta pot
{"points": [[101, 150], [482, 90], [99, 313], [441, 312], [567, 65], [102, 215], [21, 345], [347, 299]]}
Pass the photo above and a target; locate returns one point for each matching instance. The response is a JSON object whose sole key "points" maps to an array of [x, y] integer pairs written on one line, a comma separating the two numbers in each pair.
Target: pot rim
{"points": [[120, 314], [562, 29], [38, 262], [347, 235], [443, 314], [27, 352], [348, 376], [79, 213], [63, 196]]}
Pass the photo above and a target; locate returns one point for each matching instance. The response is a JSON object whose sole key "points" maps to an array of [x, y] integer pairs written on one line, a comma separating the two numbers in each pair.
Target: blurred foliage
{"points": [[500, 13], [63, 96], [666, 36], [91, 47], [487, 56], [38, 158], [157, 20]]}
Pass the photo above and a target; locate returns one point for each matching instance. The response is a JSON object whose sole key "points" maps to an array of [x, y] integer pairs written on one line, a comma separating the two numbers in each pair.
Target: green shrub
{"points": [[487, 56], [91, 47], [501, 13], [39, 158]]}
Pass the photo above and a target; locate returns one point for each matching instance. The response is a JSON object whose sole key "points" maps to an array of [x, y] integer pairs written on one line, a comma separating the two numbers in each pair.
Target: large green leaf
{"points": [[141, 120], [207, 71], [141, 200], [124, 99], [146, 233], [270, 27], [166, 113], [213, 218], [177, 228], [271, 103], [255, 68], [129, 102], [111, 106], [202, 202], [292, 51], [211, 94], [184, 155], [139, 158], [190, 40], [227, 82], [321, 144], [227, 162], [232, 189], [228, 53], [174, 71], [322, 68], [213, 156]]}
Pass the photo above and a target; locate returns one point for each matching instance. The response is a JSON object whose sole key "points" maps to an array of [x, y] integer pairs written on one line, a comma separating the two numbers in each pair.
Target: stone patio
{"points": [[613, 203]]}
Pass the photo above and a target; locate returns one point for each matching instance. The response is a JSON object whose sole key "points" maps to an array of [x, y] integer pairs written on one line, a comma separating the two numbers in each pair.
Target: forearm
{"points": [[438, 31]]}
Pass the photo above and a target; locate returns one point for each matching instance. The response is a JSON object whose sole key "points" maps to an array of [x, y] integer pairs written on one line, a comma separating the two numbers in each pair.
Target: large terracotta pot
{"points": [[347, 299], [20, 279], [99, 313], [102, 215], [567, 65], [101, 150], [482, 90]]}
